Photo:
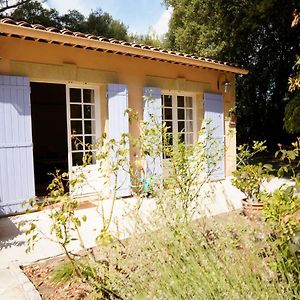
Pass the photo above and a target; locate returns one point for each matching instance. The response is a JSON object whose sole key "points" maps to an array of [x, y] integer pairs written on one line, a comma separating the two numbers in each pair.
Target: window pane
{"points": [[88, 96], [189, 114], [189, 139], [189, 102], [169, 127], [180, 101], [76, 127], [89, 111], [167, 114], [181, 138], [189, 126], [180, 114], [76, 111], [75, 95], [167, 101], [90, 157], [168, 140], [90, 140], [77, 158], [180, 126], [89, 127], [77, 143]]}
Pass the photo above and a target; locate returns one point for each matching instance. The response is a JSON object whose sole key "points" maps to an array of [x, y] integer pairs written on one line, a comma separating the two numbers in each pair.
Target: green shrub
{"points": [[249, 179], [207, 261], [282, 211]]}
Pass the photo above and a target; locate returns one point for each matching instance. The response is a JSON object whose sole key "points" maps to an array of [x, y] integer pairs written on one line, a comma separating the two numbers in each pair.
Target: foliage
{"points": [[292, 115], [181, 258], [282, 211], [294, 81], [98, 22], [249, 179], [148, 39], [63, 272], [245, 152], [292, 109], [101, 23], [34, 12], [291, 158], [232, 111], [204, 260], [254, 34], [6, 5]]}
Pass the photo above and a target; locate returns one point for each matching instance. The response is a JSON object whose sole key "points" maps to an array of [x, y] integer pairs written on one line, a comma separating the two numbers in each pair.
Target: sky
{"points": [[141, 16]]}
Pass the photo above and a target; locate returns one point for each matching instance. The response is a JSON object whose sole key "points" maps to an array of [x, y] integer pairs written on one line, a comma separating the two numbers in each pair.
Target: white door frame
{"points": [[97, 117]]}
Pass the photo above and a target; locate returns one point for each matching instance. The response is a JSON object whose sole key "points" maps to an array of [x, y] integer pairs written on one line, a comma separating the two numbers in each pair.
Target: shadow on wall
{"points": [[8, 233]]}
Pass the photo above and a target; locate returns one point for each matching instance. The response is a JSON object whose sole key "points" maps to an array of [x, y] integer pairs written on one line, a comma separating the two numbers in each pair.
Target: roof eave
{"points": [[38, 34]]}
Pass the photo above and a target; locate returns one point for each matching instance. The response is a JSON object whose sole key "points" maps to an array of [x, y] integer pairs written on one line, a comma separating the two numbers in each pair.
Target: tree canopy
{"points": [[6, 5], [292, 109], [253, 33], [98, 22]]}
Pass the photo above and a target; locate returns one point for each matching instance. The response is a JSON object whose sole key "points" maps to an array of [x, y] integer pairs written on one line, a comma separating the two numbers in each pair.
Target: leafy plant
{"points": [[282, 211], [292, 115], [232, 111], [291, 159], [245, 152], [249, 179], [181, 258]]}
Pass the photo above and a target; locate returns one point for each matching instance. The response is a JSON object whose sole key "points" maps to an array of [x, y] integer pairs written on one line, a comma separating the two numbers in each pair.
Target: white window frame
{"points": [[174, 95], [97, 120]]}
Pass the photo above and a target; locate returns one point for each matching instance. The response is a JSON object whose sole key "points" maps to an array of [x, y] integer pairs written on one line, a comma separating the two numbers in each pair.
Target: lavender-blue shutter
{"points": [[152, 114], [16, 155], [214, 117], [118, 124]]}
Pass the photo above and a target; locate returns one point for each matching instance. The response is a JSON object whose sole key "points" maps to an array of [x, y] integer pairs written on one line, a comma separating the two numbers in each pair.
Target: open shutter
{"points": [[214, 117], [118, 124], [152, 114], [16, 155]]}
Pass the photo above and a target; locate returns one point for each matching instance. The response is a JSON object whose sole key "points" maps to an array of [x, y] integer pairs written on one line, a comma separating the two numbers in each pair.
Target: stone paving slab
{"points": [[14, 285]]}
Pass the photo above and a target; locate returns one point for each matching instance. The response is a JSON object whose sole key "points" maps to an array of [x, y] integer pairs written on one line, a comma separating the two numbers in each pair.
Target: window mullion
{"points": [[174, 118], [82, 121]]}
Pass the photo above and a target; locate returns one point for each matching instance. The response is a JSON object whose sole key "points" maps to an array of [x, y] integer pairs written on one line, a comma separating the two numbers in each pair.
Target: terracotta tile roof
{"points": [[124, 48]]}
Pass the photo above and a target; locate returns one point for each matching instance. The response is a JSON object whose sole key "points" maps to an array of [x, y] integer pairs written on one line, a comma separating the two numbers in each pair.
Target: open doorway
{"points": [[49, 132]]}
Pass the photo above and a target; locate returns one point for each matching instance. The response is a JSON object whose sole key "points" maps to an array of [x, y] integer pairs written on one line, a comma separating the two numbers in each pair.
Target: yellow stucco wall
{"points": [[54, 63]]}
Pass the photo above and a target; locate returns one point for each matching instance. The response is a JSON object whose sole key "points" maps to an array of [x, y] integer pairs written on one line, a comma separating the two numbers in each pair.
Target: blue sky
{"points": [[139, 15]]}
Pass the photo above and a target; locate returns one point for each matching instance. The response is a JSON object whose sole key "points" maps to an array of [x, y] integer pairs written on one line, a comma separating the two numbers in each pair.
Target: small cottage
{"points": [[57, 86]]}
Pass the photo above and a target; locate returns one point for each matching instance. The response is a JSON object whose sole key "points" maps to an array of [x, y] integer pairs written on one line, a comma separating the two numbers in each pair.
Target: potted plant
{"points": [[249, 179], [232, 116]]}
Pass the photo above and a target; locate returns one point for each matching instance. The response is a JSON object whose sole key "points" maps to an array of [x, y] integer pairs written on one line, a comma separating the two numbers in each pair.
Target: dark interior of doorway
{"points": [[49, 132]]}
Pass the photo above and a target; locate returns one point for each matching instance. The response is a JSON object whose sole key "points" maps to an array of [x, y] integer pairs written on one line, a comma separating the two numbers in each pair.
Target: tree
{"points": [[102, 23], [73, 20], [292, 109], [34, 12], [148, 39], [292, 115], [6, 5], [97, 23], [254, 34]]}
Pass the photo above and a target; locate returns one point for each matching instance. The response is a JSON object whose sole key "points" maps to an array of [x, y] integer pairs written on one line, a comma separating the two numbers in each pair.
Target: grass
{"points": [[63, 272]]}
